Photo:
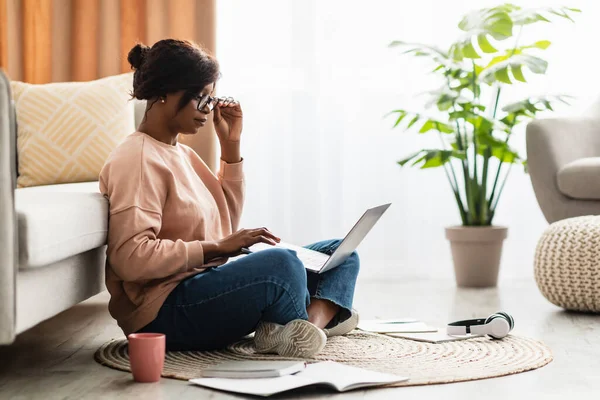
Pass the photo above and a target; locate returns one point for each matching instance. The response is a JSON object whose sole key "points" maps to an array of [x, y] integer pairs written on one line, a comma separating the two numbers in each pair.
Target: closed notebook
{"points": [[253, 369], [337, 376], [388, 326], [431, 337]]}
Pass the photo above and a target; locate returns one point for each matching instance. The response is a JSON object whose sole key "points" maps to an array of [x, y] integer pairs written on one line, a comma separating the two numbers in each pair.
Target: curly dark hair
{"points": [[169, 66]]}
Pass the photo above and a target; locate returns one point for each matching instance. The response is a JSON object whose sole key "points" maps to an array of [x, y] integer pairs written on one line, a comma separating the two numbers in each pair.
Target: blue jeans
{"points": [[221, 305]]}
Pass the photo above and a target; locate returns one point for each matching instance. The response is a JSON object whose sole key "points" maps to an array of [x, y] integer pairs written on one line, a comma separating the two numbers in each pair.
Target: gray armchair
{"points": [[564, 166]]}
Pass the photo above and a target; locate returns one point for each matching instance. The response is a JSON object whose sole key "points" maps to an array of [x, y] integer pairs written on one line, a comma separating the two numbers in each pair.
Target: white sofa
{"points": [[52, 238]]}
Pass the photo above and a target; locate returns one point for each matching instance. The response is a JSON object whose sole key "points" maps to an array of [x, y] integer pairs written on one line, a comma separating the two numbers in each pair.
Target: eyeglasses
{"points": [[204, 100]]}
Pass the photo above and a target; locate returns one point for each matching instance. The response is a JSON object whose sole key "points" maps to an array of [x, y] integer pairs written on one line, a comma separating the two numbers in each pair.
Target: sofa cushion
{"points": [[59, 221], [66, 130], [580, 179]]}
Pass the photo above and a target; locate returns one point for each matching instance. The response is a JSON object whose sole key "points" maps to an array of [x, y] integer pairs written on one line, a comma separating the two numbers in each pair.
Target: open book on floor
{"points": [[337, 376]]}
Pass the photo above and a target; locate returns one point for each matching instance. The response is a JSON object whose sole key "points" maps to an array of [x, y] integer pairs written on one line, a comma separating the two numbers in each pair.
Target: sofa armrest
{"points": [[551, 144], [8, 222]]}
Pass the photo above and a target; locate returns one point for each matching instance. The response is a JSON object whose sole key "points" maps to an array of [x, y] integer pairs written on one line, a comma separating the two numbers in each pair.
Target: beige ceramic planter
{"points": [[476, 252]]}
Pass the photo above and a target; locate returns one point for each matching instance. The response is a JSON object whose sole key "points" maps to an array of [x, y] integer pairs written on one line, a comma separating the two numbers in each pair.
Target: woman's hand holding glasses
{"points": [[227, 116]]}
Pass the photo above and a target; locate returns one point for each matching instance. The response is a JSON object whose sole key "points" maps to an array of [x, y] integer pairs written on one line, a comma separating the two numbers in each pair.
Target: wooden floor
{"points": [[55, 359]]}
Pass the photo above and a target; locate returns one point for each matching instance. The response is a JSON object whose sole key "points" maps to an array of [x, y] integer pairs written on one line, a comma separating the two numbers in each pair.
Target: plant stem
{"points": [[461, 208], [496, 102], [468, 188], [459, 142], [490, 202], [501, 188], [475, 129], [483, 213], [465, 169], [454, 186], [492, 199], [490, 214], [472, 213]]}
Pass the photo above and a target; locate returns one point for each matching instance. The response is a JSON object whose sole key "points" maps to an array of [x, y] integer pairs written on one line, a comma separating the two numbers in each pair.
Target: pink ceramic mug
{"points": [[146, 356]]}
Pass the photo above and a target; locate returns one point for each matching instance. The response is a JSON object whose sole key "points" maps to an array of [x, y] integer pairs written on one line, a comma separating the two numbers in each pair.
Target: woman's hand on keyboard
{"points": [[233, 243]]}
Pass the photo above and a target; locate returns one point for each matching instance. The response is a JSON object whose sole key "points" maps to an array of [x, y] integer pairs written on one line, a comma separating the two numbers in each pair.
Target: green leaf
{"points": [[505, 155], [400, 118], [485, 45], [424, 50], [463, 47], [496, 148], [510, 53], [540, 44], [444, 105], [478, 25], [436, 159], [493, 21], [518, 73], [561, 14], [502, 75], [541, 14], [412, 122], [488, 140], [498, 69], [431, 158], [427, 126], [525, 17], [407, 159], [535, 104], [444, 98], [428, 123], [418, 160], [472, 106], [418, 46], [479, 122], [469, 51]]}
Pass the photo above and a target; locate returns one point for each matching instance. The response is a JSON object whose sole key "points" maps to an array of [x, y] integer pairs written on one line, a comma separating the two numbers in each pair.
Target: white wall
{"points": [[315, 79]]}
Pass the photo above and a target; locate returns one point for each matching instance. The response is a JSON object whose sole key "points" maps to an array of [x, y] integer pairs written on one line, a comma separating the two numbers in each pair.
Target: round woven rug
{"points": [[424, 363]]}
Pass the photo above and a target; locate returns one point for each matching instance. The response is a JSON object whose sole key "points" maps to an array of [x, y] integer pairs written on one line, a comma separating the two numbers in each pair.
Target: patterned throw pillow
{"points": [[67, 130]]}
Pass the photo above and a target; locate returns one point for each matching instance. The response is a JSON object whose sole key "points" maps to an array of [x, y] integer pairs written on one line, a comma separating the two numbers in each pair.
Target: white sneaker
{"points": [[297, 338], [346, 326]]}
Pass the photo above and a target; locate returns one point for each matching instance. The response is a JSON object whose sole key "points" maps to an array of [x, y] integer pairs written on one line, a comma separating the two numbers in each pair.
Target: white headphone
{"points": [[496, 326]]}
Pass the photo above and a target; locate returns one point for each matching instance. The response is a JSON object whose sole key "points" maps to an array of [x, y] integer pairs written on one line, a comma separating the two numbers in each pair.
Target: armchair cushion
{"points": [[580, 179], [59, 221]]}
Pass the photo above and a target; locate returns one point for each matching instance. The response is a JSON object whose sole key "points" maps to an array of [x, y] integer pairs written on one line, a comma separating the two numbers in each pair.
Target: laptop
{"points": [[319, 262]]}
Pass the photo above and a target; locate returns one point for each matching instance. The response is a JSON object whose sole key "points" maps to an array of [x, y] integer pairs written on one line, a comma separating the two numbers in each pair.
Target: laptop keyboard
{"points": [[312, 260]]}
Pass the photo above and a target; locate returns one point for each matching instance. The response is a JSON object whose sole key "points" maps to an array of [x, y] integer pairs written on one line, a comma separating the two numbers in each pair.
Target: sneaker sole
{"points": [[298, 338], [345, 327]]}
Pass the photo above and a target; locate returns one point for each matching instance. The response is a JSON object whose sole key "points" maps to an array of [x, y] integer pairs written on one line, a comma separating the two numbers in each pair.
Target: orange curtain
{"points": [[78, 40], [3, 33]]}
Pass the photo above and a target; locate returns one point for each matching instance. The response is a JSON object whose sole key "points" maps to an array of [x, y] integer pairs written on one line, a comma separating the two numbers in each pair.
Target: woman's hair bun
{"points": [[137, 55]]}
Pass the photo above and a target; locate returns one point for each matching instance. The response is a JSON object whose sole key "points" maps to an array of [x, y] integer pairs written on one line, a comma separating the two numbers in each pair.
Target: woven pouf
{"points": [[567, 264]]}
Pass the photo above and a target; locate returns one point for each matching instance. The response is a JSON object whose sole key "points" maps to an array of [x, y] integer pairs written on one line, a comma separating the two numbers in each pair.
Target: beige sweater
{"points": [[164, 201]]}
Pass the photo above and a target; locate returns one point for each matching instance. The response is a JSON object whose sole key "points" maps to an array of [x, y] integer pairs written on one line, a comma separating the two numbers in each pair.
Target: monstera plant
{"points": [[475, 127]]}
